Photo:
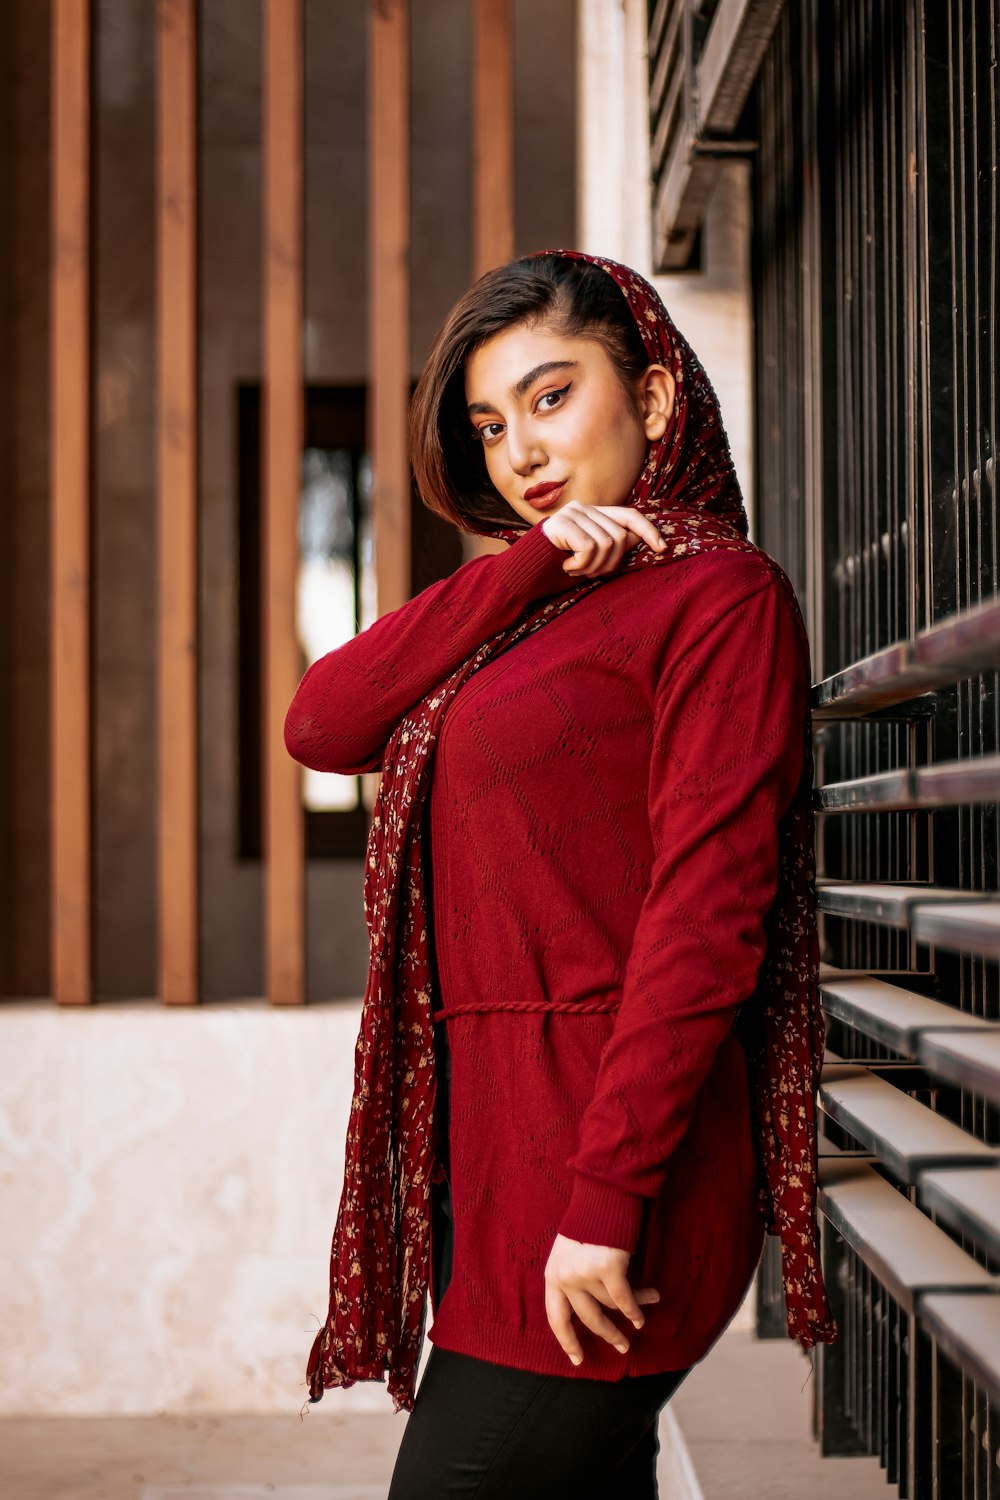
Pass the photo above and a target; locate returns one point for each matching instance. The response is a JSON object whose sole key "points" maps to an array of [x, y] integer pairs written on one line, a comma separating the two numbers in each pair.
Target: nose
{"points": [[524, 452]]}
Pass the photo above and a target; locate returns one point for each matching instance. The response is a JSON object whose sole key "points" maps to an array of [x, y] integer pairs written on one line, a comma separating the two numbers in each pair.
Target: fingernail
{"points": [[637, 1322], [622, 1348], [577, 1359]]}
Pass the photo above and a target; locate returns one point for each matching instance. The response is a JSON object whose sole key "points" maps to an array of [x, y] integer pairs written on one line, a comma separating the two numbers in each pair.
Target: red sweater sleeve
{"points": [[726, 761], [350, 700]]}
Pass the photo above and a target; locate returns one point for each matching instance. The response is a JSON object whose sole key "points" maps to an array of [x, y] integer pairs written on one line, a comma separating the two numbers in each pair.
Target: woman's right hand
{"points": [[598, 536]]}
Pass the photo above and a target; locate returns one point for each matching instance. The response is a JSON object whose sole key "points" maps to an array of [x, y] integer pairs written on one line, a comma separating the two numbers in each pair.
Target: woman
{"points": [[591, 849]]}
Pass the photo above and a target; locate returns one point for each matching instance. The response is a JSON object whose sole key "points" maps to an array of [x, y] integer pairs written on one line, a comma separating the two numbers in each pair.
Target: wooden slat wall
{"points": [[282, 460], [492, 134], [70, 522], [492, 156], [177, 501], [283, 423], [389, 295]]}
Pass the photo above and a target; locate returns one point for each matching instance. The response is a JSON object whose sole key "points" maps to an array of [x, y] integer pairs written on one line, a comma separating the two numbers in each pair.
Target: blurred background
{"points": [[231, 230], [224, 215]]}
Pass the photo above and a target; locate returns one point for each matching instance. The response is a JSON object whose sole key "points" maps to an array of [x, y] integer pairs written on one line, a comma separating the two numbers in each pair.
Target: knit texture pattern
{"points": [[380, 1256], [604, 854]]}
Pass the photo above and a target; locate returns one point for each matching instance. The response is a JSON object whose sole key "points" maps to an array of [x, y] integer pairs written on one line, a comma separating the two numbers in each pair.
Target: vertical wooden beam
{"points": [[70, 480], [282, 468], [177, 513], [492, 157], [492, 134], [389, 301]]}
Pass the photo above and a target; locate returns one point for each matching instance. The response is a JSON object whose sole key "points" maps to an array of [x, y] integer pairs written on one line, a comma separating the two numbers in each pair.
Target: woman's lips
{"points": [[544, 496]]}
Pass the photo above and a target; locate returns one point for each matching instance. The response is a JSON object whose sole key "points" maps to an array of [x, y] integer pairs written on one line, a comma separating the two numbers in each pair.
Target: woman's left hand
{"points": [[581, 1279]]}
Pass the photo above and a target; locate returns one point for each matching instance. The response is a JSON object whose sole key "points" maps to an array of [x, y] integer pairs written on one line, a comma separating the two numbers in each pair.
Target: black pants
{"points": [[485, 1430]]}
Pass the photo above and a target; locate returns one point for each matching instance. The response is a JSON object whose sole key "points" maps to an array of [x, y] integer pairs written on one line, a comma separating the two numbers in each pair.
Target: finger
{"points": [[558, 1312], [588, 1310], [599, 536], [584, 515], [607, 544], [599, 1291], [647, 1294], [645, 529], [597, 530], [641, 526], [573, 536], [565, 528], [616, 518], [625, 1299]]}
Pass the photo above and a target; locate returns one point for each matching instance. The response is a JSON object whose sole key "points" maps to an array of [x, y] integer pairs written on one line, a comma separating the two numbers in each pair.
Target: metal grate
{"points": [[878, 323]]}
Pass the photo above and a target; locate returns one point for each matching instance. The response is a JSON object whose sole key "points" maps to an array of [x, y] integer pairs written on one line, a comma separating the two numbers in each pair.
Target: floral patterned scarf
{"points": [[380, 1260]]}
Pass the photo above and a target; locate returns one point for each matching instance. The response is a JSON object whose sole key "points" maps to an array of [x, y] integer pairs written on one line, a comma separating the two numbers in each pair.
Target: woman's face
{"points": [[556, 423]]}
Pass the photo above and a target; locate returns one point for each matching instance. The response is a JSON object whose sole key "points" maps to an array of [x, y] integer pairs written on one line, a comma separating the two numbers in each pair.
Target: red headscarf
{"points": [[380, 1261]]}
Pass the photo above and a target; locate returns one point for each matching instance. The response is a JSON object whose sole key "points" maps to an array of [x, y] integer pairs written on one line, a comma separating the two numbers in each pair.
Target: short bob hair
{"points": [[579, 299]]}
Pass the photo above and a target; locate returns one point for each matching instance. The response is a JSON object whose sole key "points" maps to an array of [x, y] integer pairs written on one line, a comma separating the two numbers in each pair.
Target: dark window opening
{"points": [[335, 595]]}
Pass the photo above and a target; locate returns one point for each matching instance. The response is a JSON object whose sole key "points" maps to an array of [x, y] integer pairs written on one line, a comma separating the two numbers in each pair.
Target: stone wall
{"points": [[170, 1186]]}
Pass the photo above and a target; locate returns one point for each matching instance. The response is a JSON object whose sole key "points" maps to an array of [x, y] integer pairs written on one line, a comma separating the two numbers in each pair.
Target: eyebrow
{"points": [[525, 383]]}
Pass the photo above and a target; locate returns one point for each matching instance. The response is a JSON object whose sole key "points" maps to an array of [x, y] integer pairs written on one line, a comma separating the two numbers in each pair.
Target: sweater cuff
{"points": [[533, 565], [600, 1214]]}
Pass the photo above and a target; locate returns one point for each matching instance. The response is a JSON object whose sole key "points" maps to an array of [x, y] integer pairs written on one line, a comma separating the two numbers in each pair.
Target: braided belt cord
{"points": [[520, 1007]]}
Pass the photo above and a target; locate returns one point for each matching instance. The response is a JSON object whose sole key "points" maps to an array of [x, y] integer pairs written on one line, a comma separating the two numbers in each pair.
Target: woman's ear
{"points": [[656, 400]]}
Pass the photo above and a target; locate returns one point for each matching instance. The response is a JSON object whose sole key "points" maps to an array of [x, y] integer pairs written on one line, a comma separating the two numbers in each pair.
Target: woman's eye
{"points": [[490, 431], [555, 397]]}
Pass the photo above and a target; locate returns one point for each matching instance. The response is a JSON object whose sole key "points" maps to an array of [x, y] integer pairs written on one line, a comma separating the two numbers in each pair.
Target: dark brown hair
{"points": [[580, 299]]}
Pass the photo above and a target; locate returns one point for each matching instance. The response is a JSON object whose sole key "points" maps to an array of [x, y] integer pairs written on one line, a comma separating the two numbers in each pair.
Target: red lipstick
{"points": [[542, 496]]}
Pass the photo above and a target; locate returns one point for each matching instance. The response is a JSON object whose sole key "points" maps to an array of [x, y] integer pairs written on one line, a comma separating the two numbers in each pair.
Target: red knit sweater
{"points": [[602, 822]]}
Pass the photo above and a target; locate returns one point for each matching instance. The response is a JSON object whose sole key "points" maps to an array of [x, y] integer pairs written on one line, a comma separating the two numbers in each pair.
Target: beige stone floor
{"points": [[323, 1456], [738, 1427], [744, 1418]]}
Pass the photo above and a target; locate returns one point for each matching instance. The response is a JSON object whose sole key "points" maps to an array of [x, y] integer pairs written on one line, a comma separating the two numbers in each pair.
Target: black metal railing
{"points": [[877, 312], [910, 1091]]}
